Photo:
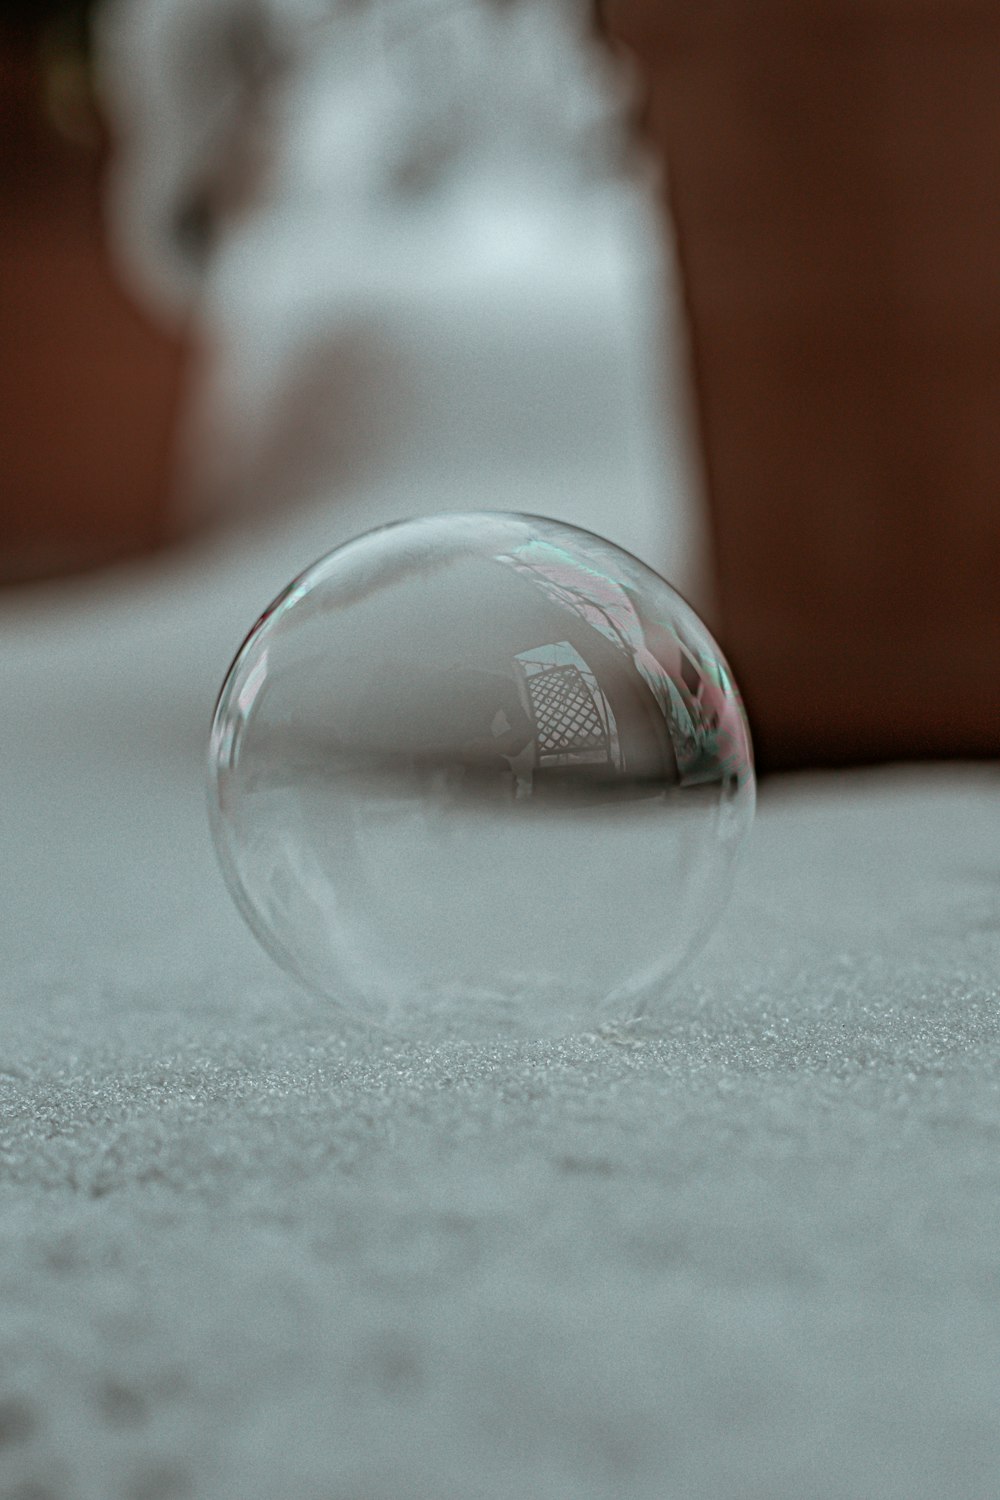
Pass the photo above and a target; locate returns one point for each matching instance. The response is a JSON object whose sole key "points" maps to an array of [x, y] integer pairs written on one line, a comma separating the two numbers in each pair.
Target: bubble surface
{"points": [[483, 768]]}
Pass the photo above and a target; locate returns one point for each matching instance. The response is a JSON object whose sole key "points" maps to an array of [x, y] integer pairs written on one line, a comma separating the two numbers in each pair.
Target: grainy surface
{"points": [[249, 1250]]}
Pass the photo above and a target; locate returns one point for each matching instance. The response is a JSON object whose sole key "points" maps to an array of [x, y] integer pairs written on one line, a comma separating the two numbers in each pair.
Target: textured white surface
{"points": [[249, 1250]]}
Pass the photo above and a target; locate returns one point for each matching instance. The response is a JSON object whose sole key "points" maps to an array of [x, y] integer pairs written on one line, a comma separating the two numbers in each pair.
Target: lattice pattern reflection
{"points": [[567, 718]]}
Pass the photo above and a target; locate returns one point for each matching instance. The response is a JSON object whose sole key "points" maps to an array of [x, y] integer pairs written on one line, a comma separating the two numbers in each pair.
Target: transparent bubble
{"points": [[486, 769]]}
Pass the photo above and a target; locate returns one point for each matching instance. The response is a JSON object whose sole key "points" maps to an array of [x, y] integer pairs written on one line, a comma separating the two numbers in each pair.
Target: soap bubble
{"points": [[481, 769]]}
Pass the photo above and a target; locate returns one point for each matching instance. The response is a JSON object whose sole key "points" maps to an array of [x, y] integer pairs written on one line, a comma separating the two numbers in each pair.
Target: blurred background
{"points": [[716, 281]]}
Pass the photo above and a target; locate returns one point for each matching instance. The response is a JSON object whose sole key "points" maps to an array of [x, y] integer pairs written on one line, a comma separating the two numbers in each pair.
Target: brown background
{"points": [[89, 387], [834, 177]]}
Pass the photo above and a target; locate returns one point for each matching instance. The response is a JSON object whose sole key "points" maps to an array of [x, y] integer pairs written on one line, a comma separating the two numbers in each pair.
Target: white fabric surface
{"points": [[250, 1250]]}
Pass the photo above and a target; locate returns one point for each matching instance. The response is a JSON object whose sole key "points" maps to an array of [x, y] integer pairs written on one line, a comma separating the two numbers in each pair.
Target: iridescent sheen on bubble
{"points": [[484, 768]]}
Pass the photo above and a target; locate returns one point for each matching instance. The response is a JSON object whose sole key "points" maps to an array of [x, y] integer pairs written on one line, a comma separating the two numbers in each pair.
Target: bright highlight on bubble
{"points": [[484, 769]]}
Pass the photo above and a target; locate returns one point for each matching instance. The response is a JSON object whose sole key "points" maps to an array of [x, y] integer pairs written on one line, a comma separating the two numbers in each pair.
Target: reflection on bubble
{"points": [[485, 767]]}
